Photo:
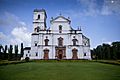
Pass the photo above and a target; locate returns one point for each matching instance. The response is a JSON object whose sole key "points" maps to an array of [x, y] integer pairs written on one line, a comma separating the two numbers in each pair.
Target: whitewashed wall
{"points": [[53, 35]]}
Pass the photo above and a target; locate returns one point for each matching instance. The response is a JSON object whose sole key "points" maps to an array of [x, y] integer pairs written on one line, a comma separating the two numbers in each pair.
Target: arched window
{"points": [[84, 54], [46, 42], [37, 29], [74, 41], [35, 44], [36, 54], [60, 28], [60, 41], [38, 16]]}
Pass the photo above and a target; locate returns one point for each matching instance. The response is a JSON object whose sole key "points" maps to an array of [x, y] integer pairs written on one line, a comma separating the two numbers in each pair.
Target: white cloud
{"points": [[90, 7], [105, 11], [9, 19], [18, 35], [111, 6], [93, 7], [106, 41], [4, 39], [22, 23], [2, 35], [21, 34]]}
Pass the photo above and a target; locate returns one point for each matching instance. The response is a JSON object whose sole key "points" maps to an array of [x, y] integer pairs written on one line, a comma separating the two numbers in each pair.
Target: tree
{"points": [[5, 52], [106, 51], [10, 52], [99, 52], [16, 52], [22, 50], [1, 48], [93, 54], [1, 52], [116, 50]]}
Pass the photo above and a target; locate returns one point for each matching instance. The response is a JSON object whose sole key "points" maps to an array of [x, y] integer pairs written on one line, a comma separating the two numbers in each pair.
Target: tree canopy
{"points": [[107, 51]]}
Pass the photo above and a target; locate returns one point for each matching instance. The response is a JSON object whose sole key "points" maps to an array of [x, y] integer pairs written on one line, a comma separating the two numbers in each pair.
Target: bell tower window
{"points": [[60, 28], [37, 29], [38, 16]]}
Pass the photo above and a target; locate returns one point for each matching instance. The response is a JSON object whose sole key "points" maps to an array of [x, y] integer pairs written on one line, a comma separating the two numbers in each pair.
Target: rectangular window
{"points": [[74, 43], [84, 54], [60, 41], [60, 29], [35, 44], [36, 54], [46, 42], [38, 16]]}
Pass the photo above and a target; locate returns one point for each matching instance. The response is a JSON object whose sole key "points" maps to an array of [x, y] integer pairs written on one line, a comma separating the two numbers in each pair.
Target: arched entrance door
{"points": [[74, 52], [46, 55], [60, 54]]}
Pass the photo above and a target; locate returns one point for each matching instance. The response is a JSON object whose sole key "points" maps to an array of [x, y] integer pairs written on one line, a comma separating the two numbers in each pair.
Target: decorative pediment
{"points": [[60, 19]]}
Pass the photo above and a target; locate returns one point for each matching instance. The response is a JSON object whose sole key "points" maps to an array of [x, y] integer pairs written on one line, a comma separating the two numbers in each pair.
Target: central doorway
{"points": [[60, 54]]}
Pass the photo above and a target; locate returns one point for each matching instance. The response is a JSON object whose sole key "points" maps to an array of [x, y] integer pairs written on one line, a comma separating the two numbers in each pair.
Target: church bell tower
{"points": [[39, 20]]}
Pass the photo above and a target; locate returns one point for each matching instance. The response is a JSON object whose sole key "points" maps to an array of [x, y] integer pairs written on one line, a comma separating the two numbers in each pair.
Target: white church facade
{"points": [[60, 41]]}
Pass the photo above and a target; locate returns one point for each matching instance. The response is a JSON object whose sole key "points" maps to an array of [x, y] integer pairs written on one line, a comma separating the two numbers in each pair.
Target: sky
{"points": [[99, 19]]}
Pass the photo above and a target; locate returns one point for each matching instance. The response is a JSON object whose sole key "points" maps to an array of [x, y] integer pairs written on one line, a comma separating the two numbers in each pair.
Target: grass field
{"points": [[60, 71]]}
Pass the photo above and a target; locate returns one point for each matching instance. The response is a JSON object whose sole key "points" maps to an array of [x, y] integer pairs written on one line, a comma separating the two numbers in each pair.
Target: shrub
{"points": [[27, 59]]}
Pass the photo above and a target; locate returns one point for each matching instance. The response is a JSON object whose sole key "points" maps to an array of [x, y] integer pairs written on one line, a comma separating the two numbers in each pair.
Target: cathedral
{"points": [[59, 41]]}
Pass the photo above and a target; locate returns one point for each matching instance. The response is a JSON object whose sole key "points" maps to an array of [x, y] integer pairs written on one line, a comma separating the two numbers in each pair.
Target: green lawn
{"points": [[60, 71]]}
